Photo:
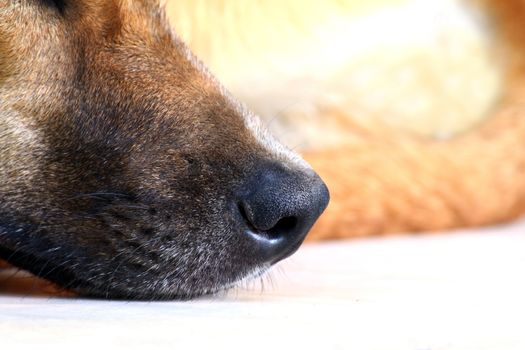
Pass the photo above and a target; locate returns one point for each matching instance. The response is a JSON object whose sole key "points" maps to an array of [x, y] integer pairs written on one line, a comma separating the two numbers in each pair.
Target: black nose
{"points": [[279, 208]]}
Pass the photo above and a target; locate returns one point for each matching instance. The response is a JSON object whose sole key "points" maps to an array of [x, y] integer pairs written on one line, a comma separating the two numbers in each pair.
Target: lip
{"points": [[263, 236], [270, 243], [293, 249]]}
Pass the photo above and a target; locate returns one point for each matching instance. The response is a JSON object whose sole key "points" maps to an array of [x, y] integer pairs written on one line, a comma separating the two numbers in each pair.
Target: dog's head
{"points": [[125, 169]]}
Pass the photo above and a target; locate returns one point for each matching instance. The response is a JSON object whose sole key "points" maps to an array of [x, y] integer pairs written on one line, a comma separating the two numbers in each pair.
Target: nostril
{"points": [[240, 206], [246, 219], [281, 228]]}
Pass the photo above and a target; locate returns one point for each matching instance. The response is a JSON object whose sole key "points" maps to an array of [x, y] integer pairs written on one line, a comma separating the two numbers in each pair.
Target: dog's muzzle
{"points": [[279, 206]]}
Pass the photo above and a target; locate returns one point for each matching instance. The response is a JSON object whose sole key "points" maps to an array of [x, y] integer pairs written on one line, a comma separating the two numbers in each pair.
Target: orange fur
{"points": [[385, 181]]}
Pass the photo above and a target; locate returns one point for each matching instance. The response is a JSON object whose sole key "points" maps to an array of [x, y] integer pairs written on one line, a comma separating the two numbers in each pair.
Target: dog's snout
{"points": [[279, 208]]}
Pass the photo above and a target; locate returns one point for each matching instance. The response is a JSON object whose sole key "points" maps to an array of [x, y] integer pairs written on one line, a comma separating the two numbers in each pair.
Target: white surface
{"points": [[456, 291]]}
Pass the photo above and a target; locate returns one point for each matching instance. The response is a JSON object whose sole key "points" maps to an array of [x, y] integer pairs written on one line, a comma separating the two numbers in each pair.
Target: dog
{"points": [[126, 169]]}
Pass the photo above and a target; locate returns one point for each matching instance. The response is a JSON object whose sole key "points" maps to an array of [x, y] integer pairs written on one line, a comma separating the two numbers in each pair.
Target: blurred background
{"points": [[407, 108], [426, 66]]}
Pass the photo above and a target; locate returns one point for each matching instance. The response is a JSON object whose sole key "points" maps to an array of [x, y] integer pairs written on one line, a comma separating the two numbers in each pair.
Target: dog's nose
{"points": [[279, 208]]}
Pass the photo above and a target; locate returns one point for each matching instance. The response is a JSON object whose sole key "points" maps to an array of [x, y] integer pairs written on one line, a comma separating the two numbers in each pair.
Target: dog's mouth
{"points": [[56, 273], [130, 264], [68, 273]]}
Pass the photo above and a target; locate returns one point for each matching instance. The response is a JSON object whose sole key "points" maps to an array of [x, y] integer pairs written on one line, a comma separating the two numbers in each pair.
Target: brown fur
{"points": [[120, 154]]}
